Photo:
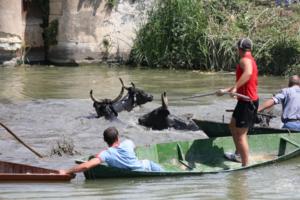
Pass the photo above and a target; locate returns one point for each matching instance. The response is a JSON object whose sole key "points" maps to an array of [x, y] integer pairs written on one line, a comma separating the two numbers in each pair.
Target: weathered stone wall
{"points": [[90, 31], [11, 29], [20, 32]]}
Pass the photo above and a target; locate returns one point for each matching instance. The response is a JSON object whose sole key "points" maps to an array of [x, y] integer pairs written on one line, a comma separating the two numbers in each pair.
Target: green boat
{"points": [[219, 129], [205, 156]]}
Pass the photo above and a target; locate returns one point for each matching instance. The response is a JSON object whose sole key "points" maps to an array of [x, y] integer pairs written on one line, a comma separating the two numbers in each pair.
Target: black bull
{"points": [[110, 108], [160, 118]]}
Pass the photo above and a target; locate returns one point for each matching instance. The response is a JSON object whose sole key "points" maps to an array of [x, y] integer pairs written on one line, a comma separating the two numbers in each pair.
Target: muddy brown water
{"points": [[44, 105]]}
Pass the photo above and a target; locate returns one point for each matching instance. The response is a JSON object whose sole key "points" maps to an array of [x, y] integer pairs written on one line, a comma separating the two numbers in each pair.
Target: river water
{"points": [[47, 105]]}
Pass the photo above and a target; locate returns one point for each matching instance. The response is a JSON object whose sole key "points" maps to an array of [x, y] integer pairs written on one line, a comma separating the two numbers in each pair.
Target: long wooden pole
{"points": [[17, 138], [214, 93]]}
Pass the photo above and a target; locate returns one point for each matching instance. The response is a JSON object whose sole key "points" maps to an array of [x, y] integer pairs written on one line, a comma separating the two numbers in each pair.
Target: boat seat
{"points": [[181, 158], [282, 145]]}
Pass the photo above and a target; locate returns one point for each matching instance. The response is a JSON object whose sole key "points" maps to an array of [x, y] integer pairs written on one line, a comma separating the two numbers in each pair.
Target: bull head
{"points": [[139, 96], [161, 118], [104, 107], [158, 118]]}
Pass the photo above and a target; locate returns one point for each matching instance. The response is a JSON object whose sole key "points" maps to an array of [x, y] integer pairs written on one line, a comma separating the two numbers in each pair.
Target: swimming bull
{"points": [[160, 118], [109, 109]]}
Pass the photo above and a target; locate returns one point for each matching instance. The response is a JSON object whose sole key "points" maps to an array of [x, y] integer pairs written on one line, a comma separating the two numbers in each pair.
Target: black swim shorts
{"points": [[244, 113]]}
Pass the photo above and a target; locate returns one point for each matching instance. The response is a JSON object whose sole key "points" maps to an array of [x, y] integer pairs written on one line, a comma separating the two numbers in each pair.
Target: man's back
{"points": [[290, 100], [122, 156]]}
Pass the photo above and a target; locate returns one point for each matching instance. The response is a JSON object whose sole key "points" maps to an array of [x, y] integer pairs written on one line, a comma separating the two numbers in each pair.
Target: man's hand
{"points": [[62, 172], [232, 90], [221, 92]]}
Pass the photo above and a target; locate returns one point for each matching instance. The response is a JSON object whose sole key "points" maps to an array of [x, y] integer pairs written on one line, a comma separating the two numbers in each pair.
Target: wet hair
{"points": [[294, 80], [110, 135]]}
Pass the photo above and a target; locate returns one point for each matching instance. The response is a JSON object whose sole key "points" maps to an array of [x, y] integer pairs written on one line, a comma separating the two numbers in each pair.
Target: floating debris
{"points": [[65, 146]]}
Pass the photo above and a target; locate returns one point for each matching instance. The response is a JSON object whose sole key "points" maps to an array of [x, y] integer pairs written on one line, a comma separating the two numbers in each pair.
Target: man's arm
{"points": [[82, 167], [246, 65], [267, 104]]}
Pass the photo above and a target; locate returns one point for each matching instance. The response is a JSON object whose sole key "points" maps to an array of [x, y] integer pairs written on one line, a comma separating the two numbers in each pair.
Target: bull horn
{"points": [[120, 95], [92, 97], [127, 88], [121, 82], [164, 100], [132, 84]]}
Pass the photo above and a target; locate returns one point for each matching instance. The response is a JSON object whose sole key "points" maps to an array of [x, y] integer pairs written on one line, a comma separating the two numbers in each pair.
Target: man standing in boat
{"points": [[118, 154], [290, 100], [245, 110]]}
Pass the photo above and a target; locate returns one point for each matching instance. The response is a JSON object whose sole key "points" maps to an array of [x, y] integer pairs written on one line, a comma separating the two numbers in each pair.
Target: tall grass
{"points": [[170, 38], [201, 35]]}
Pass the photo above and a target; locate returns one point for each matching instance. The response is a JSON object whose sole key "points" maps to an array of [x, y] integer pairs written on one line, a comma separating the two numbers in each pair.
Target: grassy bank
{"points": [[193, 34]]}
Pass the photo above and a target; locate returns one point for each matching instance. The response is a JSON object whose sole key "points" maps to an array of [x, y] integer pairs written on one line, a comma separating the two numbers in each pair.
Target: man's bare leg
{"points": [[242, 144], [240, 140], [232, 127]]}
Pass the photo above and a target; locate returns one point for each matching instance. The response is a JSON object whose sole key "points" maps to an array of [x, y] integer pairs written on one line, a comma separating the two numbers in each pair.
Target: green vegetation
{"points": [[110, 4], [44, 6], [193, 34], [106, 45], [50, 30], [50, 33]]}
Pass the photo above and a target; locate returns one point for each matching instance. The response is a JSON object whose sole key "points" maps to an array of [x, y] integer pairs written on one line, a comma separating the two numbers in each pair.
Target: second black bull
{"points": [[109, 109], [161, 118]]}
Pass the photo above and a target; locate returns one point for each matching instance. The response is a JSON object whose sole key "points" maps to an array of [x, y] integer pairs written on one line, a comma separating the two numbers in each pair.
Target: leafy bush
{"points": [[283, 55], [202, 35], [170, 38], [50, 33], [110, 4]]}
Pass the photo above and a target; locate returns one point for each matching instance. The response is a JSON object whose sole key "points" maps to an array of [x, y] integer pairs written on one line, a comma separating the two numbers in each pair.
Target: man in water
{"points": [[245, 110], [118, 154], [289, 98]]}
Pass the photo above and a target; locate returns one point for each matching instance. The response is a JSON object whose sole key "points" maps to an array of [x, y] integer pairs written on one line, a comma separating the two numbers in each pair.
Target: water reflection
{"points": [[238, 186]]}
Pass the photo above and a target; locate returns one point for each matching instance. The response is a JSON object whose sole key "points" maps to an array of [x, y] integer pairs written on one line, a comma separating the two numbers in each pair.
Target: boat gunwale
{"points": [[10, 177], [41, 174], [255, 130], [181, 173]]}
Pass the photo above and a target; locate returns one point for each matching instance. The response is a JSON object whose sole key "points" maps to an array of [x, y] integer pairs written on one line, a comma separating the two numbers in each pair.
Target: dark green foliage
{"points": [[284, 53], [170, 39], [105, 43], [49, 30], [110, 4], [50, 33], [44, 6], [202, 35]]}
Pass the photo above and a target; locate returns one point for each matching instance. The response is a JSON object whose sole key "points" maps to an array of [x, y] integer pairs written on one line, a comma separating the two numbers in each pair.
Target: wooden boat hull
{"points": [[205, 156], [19, 172], [219, 129]]}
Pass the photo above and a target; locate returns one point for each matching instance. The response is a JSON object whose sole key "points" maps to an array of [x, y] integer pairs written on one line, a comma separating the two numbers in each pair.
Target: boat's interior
{"points": [[207, 155], [14, 168]]}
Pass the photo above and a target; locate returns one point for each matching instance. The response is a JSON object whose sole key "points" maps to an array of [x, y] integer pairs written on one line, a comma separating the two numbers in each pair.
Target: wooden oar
{"points": [[215, 93], [17, 138]]}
